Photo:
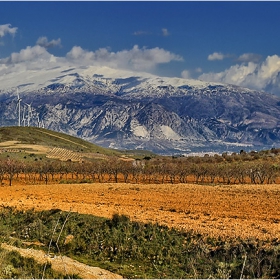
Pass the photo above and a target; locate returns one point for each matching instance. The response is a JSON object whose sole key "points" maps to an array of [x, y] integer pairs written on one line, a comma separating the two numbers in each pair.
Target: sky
{"points": [[232, 42]]}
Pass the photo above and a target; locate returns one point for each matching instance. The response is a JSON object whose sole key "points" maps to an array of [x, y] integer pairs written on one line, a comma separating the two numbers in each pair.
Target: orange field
{"points": [[220, 211]]}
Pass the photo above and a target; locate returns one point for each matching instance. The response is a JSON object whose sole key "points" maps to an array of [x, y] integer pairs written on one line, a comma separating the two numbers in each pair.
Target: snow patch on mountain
{"points": [[169, 133], [33, 80], [139, 130]]}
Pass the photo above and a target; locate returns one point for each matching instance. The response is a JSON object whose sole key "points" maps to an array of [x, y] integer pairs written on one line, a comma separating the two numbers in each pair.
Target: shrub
{"points": [[138, 250]]}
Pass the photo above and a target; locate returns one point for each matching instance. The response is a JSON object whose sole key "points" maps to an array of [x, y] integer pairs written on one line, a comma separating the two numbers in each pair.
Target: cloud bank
{"points": [[248, 72], [141, 59], [136, 59], [260, 76], [29, 54]]}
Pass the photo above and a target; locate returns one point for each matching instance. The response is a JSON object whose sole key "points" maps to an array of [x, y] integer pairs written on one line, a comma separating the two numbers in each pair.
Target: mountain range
{"points": [[127, 110]]}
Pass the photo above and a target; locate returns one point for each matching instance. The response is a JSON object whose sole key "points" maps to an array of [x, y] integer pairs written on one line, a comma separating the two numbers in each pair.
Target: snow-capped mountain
{"points": [[128, 110]]}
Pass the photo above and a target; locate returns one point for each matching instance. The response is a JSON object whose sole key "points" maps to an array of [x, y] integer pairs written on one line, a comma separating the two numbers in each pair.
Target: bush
{"points": [[13, 265]]}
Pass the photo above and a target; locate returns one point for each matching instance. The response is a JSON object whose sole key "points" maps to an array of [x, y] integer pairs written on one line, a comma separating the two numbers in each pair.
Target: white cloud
{"points": [[7, 29], [260, 76], [35, 53], [38, 58], [43, 42], [246, 57], [185, 74], [249, 57], [140, 32], [165, 32], [135, 59], [216, 56]]}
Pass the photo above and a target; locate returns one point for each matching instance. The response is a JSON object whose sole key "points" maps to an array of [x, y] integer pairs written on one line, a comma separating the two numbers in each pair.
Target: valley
{"points": [[134, 214]]}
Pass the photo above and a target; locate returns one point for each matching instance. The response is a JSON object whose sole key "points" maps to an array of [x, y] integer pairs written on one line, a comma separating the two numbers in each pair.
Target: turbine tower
{"points": [[18, 104], [23, 116], [38, 120], [29, 113]]}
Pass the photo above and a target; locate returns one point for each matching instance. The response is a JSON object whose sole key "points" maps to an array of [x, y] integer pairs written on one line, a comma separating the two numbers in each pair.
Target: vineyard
{"points": [[64, 155]]}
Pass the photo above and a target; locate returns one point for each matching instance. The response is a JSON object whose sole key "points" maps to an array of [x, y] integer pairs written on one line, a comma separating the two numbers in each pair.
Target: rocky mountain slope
{"points": [[127, 110]]}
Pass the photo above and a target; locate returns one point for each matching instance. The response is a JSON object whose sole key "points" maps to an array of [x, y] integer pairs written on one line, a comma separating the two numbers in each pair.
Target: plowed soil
{"points": [[245, 211]]}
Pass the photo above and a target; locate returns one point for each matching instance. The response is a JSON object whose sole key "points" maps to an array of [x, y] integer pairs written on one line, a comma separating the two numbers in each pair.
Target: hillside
{"points": [[47, 138], [17, 142], [46, 142]]}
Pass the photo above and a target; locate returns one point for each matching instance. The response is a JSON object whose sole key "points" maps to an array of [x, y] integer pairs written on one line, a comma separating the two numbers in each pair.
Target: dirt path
{"points": [[64, 264], [220, 211]]}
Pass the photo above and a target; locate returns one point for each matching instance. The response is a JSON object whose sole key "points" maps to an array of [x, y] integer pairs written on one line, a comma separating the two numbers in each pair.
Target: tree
{"points": [[2, 171], [12, 168], [45, 169]]}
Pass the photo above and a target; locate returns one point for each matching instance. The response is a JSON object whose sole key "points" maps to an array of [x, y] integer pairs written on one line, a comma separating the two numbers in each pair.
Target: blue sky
{"points": [[233, 42]]}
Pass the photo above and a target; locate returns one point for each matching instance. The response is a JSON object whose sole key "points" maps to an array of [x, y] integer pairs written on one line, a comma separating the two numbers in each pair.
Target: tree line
{"points": [[225, 169]]}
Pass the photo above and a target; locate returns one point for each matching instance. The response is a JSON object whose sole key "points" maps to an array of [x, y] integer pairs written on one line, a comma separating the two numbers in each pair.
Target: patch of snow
{"points": [[139, 130], [169, 133]]}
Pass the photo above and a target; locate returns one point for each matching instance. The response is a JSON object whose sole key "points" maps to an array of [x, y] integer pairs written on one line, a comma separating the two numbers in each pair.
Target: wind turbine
{"points": [[29, 113], [23, 117], [18, 104], [38, 120], [42, 123]]}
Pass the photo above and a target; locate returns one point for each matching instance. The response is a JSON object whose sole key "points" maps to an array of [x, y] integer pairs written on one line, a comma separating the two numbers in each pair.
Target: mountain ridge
{"points": [[127, 110]]}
